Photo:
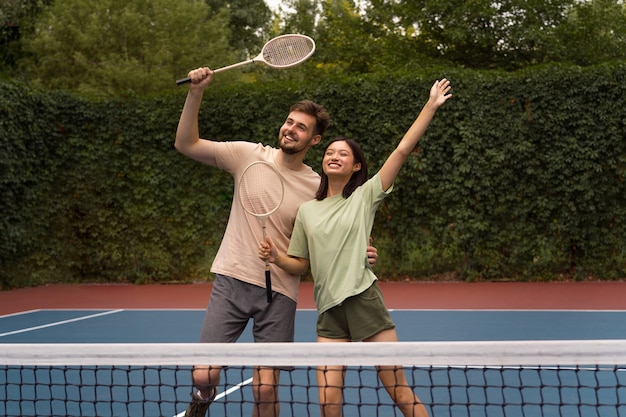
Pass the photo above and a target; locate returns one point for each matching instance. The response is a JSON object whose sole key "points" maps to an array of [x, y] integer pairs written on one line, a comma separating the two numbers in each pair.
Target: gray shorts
{"points": [[357, 318], [233, 303]]}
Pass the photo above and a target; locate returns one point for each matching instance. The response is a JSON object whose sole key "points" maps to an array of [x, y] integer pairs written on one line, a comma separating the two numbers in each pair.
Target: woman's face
{"points": [[339, 160]]}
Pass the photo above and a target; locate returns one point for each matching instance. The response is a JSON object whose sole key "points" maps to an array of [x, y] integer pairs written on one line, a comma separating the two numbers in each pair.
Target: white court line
{"points": [[225, 393], [58, 323], [19, 313]]}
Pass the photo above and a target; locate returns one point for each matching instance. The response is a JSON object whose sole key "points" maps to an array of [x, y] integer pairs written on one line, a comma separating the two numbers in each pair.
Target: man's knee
{"points": [[205, 376], [266, 393]]}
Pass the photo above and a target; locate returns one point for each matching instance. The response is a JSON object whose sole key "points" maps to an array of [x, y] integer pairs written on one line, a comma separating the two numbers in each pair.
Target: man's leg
{"points": [[205, 380], [224, 321], [265, 388], [273, 323]]}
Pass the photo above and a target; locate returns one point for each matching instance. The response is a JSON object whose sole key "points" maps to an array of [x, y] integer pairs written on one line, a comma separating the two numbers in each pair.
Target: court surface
{"points": [[421, 311]]}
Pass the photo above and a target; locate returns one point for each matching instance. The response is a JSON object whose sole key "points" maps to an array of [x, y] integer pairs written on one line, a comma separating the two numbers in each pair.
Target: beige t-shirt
{"points": [[237, 256]]}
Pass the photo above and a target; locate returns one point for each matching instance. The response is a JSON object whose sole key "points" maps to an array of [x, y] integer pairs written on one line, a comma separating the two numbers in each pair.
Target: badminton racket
{"points": [[261, 192], [280, 52]]}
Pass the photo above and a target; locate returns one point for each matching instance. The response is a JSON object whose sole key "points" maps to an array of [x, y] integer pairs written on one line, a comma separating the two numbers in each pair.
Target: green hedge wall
{"points": [[520, 176]]}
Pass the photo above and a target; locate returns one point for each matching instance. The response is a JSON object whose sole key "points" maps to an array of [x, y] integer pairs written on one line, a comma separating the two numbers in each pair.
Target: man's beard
{"points": [[289, 150]]}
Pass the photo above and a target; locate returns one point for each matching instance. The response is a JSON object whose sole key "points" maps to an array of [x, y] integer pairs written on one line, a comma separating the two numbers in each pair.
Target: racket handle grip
{"points": [[229, 67], [268, 285]]}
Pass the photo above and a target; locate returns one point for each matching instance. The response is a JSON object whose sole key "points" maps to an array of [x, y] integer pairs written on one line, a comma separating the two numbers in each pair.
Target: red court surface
{"points": [[398, 295]]}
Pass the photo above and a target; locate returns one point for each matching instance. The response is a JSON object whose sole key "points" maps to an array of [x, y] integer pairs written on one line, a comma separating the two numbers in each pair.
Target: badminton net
{"points": [[452, 379]]}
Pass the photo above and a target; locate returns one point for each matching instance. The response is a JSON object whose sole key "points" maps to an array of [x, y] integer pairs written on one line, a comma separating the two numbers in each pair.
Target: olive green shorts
{"points": [[357, 318]]}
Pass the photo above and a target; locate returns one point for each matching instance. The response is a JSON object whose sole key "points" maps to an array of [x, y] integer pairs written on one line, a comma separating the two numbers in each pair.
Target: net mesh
{"points": [[288, 50], [529, 378]]}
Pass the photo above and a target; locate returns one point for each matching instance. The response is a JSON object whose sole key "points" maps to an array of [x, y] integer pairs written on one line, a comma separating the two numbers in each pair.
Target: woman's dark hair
{"points": [[357, 179]]}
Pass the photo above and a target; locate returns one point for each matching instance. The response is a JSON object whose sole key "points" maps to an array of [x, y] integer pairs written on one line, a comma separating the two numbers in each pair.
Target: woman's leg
{"points": [[395, 382], [330, 381]]}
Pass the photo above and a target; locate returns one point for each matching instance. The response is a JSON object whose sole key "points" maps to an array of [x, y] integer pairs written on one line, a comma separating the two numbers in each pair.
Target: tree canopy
{"points": [[140, 46], [119, 46]]}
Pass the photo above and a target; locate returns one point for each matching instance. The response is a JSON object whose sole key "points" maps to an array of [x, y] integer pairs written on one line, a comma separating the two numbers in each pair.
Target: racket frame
{"points": [[260, 57], [263, 217]]}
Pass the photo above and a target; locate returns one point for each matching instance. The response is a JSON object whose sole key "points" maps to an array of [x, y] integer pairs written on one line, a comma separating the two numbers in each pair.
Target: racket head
{"points": [[261, 189], [287, 50]]}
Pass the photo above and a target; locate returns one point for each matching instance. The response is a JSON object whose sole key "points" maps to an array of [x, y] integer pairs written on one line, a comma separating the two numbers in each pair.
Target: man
{"points": [[238, 293]]}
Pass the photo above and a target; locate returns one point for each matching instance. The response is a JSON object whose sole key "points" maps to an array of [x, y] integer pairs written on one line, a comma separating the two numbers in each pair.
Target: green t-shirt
{"points": [[334, 234]]}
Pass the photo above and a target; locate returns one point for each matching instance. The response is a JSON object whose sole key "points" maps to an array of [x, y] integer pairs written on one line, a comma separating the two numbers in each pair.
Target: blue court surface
{"points": [[514, 392]]}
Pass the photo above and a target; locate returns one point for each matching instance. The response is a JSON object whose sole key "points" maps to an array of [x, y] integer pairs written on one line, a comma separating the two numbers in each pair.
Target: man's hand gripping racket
{"points": [[261, 192], [281, 52]]}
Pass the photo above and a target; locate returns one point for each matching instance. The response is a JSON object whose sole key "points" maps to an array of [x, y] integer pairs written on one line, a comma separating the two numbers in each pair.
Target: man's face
{"points": [[297, 134]]}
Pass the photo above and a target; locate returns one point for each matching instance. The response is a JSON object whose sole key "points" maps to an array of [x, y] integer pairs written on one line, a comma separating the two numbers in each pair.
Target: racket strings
{"points": [[287, 50], [260, 190]]}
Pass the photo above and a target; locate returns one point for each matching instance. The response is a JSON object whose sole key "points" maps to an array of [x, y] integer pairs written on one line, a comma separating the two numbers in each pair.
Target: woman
{"points": [[330, 233]]}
